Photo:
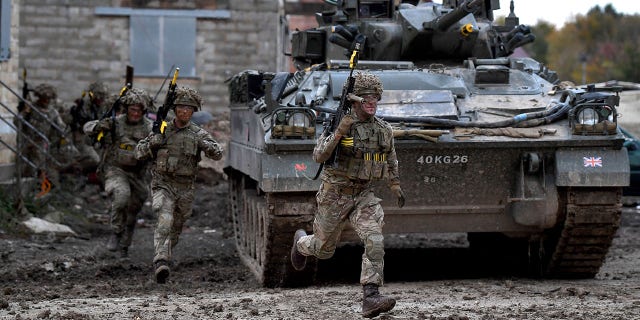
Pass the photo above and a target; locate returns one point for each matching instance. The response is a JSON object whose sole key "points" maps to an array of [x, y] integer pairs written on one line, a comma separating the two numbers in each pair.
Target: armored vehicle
{"points": [[488, 144]]}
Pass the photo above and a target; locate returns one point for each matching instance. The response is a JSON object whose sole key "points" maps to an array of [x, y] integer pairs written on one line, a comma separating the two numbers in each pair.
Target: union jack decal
{"points": [[592, 161]]}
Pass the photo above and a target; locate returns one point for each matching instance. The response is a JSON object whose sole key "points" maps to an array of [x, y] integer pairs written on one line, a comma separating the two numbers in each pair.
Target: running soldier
{"points": [[366, 154], [126, 178], [45, 122], [85, 109], [175, 154]]}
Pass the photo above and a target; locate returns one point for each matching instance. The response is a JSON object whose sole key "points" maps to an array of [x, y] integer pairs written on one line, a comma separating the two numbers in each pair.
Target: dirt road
{"points": [[76, 278]]}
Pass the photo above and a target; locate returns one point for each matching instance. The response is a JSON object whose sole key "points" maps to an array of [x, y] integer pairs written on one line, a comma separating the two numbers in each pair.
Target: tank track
{"points": [[592, 219], [264, 240]]}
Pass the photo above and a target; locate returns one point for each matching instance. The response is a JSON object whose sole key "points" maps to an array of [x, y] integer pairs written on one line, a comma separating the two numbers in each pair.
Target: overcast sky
{"points": [[557, 12]]}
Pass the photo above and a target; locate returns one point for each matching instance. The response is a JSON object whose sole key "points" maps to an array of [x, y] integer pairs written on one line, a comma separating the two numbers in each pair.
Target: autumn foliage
{"points": [[596, 47]]}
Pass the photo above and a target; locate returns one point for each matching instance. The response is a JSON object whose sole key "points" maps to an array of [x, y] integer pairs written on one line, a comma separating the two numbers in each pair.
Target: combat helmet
{"points": [[98, 90], [367, 84], [135, 96], [188, 97], [45, 91]]}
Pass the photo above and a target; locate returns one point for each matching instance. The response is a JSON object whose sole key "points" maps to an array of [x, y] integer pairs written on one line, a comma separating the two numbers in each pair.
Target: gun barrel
{"points": [[447, 20], [175, 77]]}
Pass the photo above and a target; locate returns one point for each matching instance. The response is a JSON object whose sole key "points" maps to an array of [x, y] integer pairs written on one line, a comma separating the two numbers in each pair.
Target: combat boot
{"points": [[298, 260], [114, 241], [162, 271], [373, 303]]}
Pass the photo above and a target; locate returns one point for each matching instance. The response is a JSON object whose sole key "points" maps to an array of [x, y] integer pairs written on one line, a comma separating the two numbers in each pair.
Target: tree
{"points": [[540, 48], [598, 46]]}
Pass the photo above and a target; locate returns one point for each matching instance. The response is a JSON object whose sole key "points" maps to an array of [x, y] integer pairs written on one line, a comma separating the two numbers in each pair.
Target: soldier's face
{"points": [[135, 113], [184, 113], [43, 101], [368, 107]]}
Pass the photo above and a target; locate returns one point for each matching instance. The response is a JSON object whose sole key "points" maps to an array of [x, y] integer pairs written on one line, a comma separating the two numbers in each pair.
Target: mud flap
{"points": [[535, 196]]}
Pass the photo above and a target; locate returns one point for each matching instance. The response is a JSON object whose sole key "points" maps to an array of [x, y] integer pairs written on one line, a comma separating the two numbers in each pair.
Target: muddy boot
{"points": [[373, 303], [162, 271], [298, 260], [114, 242]]}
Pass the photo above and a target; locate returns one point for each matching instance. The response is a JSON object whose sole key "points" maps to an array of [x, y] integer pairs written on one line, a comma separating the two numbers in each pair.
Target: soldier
{"points": [[126, 178], [44, 122], [175, 154], [366, 154], [86, 108]]}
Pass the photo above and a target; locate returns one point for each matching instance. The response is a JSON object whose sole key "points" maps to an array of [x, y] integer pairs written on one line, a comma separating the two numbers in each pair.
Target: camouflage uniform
{"points": [[175, 155], [86, 108], [366, 154], [346, 194], [42, 123], [126, 178]]}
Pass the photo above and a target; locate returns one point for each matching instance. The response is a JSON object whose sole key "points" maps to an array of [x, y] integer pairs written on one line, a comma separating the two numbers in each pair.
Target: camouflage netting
{"points": [[98, 90], [242, 85], [188, 97], [135, 96], [366, 84], [46, 91]]}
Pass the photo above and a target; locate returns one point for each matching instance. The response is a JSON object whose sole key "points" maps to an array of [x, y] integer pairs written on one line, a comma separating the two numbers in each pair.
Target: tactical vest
{"points": [[180, 155], [41, 124], [127, 136], [365, 157]]}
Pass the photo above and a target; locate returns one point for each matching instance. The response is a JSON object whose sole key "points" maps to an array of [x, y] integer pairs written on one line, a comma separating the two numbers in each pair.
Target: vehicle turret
{"points": [[421, 33]]}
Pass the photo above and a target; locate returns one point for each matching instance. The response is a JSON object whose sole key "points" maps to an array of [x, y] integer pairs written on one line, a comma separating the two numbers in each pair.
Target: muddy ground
{"points": [[44, 277]]}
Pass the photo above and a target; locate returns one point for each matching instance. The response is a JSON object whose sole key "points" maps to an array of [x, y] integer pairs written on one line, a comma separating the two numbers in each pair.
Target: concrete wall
{"points": [[63, 42]]}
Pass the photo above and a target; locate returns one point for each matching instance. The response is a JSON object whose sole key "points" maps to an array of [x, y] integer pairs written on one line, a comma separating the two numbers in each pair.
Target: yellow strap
{"points": [[346, 142]]}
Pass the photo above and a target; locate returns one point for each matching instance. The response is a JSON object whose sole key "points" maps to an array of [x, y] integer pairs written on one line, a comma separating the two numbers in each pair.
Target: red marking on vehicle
{"points": [[301, 167]]}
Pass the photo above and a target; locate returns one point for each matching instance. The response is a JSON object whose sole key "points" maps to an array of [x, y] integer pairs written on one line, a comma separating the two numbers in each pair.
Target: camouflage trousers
{"points": [[43, 163], [172, 202], [87, 157], [128, 191], [362, 209]]}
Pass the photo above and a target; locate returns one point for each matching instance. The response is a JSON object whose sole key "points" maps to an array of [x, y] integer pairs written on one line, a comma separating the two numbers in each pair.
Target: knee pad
{"points": [[374, 247]]}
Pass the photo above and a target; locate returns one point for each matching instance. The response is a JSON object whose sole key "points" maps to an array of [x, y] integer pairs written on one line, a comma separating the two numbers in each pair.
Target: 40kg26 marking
{"points": [[453, 159]]}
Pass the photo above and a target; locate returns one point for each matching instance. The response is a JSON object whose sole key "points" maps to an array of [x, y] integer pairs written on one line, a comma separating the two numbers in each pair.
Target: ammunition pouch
{"points": [[125, 155], [357, 165]]}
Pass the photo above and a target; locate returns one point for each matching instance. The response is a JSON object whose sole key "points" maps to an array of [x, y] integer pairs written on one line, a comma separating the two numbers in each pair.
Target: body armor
{"points": [[122, 152], [364, 157], [179, 156]]}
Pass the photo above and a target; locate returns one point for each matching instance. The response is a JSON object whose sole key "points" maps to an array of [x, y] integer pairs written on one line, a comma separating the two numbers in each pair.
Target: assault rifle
{"points": [[160, 124], [25, 90], [77, 117], [79, 114], [344, 107], [116, 104]]}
